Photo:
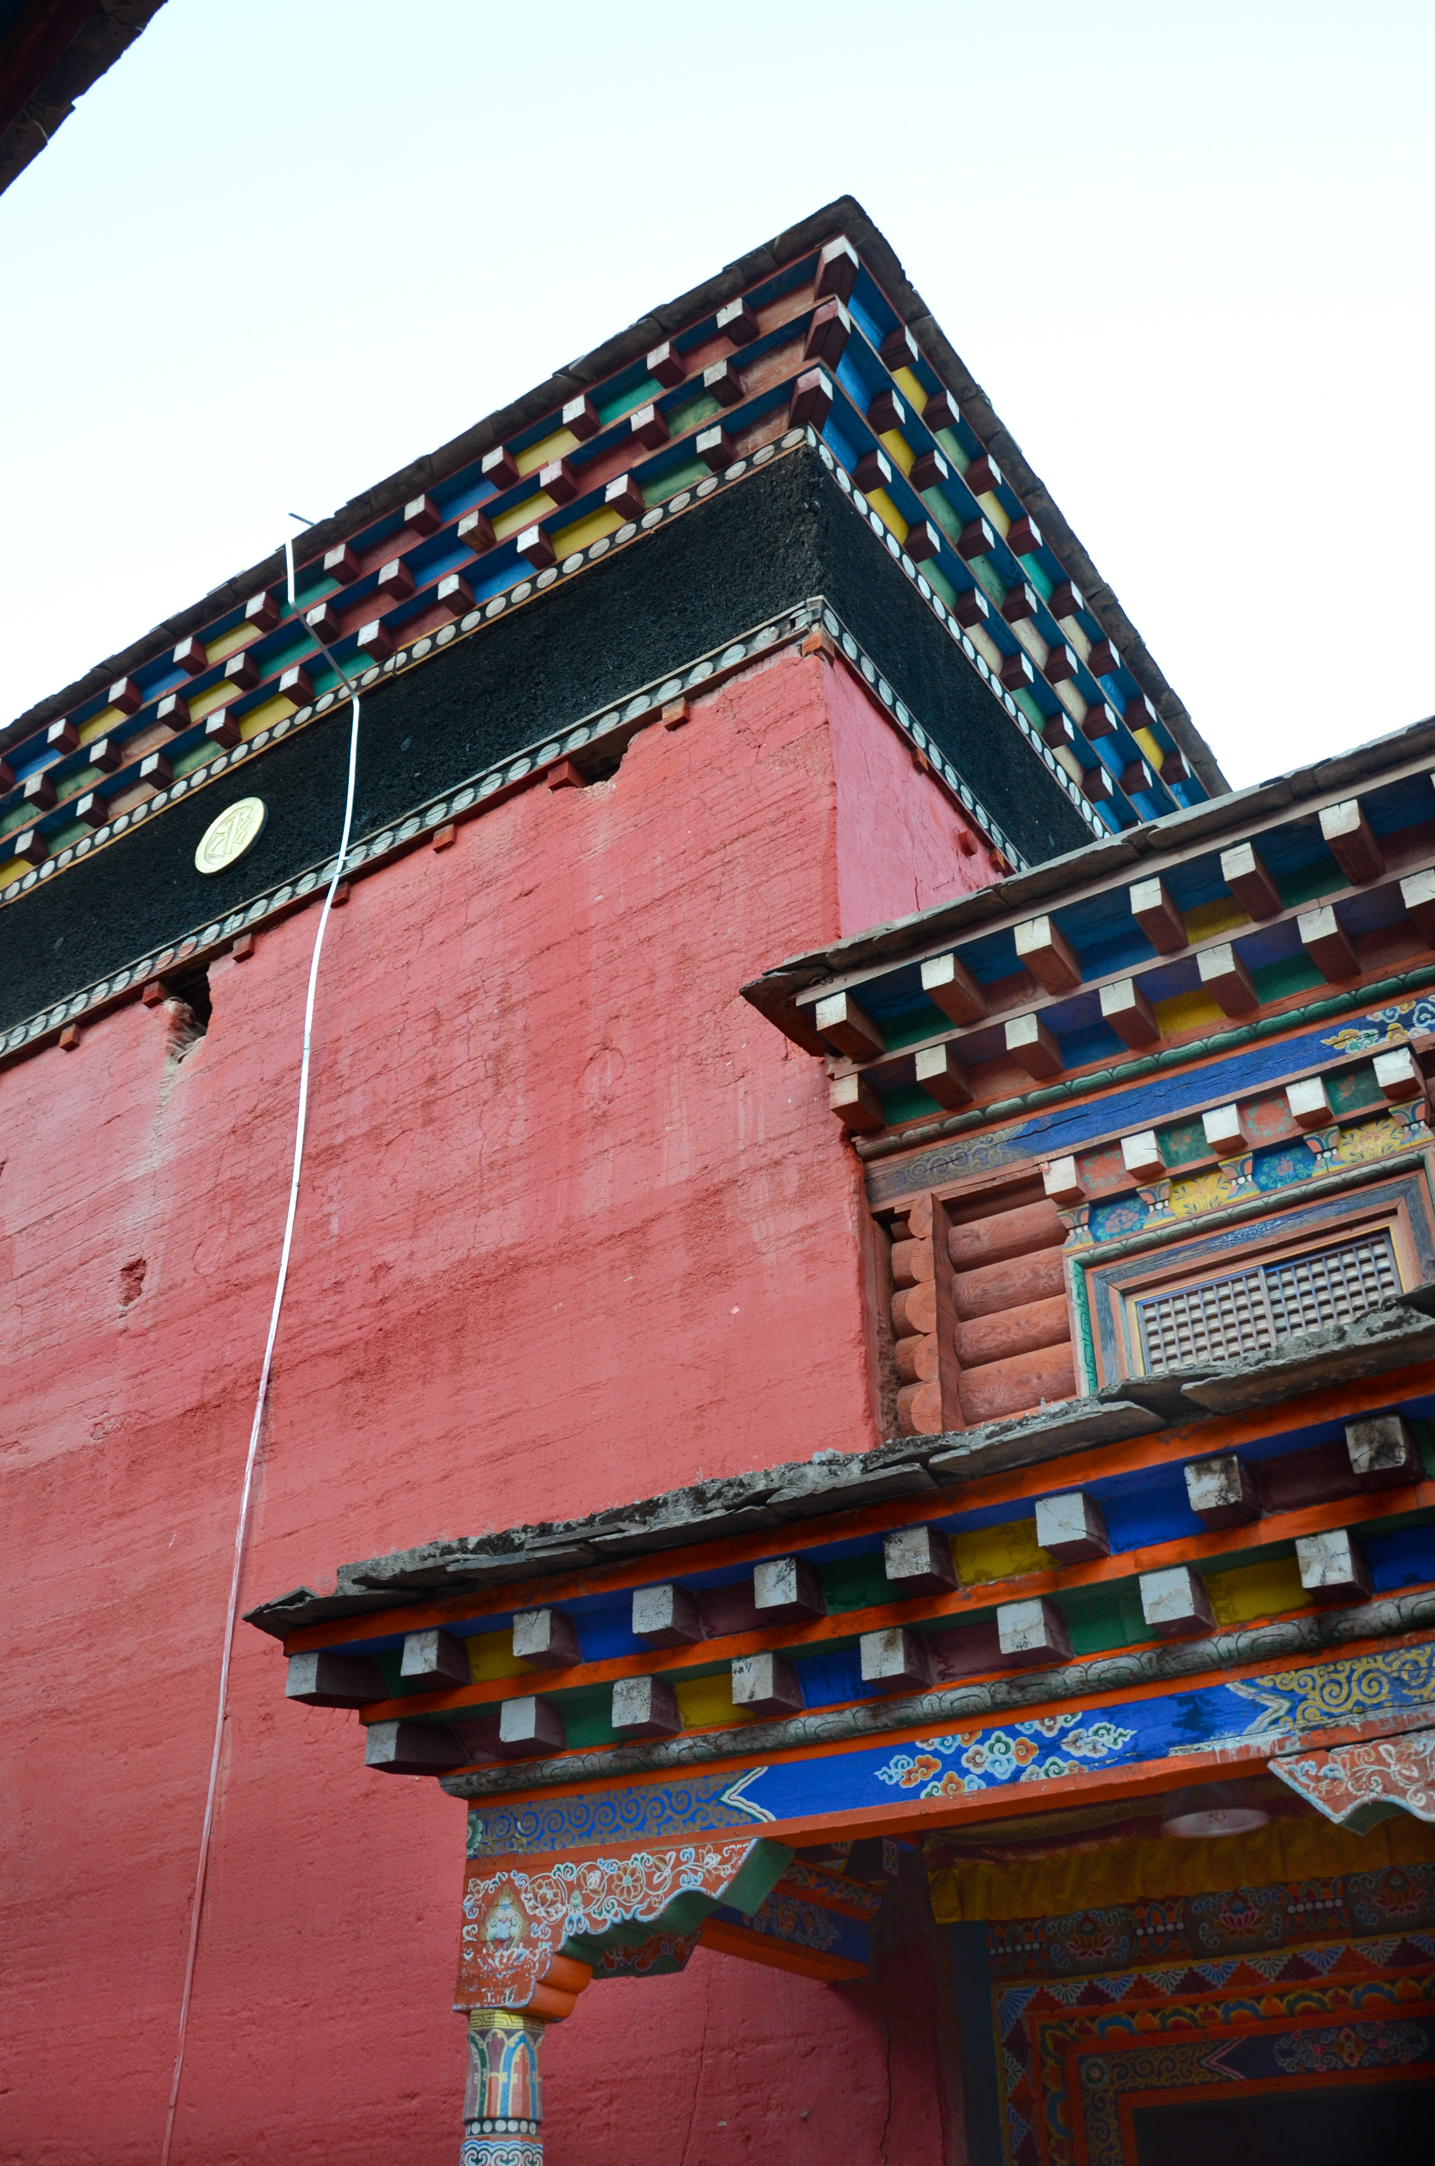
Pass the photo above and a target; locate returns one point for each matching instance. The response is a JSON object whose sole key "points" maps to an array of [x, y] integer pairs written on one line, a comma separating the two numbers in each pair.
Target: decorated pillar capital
{"points": [[532, 1937], [533, 1930]]}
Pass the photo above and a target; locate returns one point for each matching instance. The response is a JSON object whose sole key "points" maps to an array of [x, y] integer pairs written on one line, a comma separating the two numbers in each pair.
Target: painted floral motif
{"points": [[1352, 2045], [1238, 1918], [1246, 1922], [1211, 1191], [658, 1953], [515, 1921], [1392, 1895], [986, 1758], [1385, 1026], [1285, 1165], [1357, 1785]]}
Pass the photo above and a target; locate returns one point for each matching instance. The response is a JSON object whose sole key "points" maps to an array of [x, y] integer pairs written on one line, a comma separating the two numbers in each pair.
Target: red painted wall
{"points": [[899, 848], [575, 1228]]}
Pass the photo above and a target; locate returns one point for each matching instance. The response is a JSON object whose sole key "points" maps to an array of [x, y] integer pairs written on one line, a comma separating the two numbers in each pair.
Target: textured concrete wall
{"points": [[575, 1228]]}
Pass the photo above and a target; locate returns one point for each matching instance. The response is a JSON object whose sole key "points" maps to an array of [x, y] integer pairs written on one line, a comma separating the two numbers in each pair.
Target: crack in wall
{"points": [[699, 2063]]}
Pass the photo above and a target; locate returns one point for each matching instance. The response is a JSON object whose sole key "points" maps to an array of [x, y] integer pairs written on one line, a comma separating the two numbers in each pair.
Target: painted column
{"points": [[534, 1926], [503, 2100]]}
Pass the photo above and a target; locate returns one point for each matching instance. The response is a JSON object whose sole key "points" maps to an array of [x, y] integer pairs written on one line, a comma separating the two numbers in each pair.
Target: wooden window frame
{"points": [[1293, 1249], [1105, 1290]]}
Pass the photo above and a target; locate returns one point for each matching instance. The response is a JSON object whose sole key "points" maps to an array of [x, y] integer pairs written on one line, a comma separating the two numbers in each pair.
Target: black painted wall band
{"points": [[749, 552]]}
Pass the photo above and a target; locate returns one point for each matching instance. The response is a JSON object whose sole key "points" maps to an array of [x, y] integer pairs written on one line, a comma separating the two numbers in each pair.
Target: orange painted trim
{"points": [[1140, 1780], [776, 1954], [985, 1597], [1394, 1722], [1100, 1461], [862, 1912]]}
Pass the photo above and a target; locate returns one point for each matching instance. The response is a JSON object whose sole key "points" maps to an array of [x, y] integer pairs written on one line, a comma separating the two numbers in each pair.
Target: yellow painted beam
{"points": [[1209, 920], [1003, 1552], [584, 532], [888, 513], [218, 695], [911, 390], [522, 515], [552, 447], [1256, 1590], [490, 1654], [243, 635], [1154, 751], [1188, 1011], [705, 1702], [265, 717], [898, 450]]}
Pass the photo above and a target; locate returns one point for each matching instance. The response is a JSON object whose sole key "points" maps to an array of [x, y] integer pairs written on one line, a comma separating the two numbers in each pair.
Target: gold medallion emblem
{"points": [[230, 835]]}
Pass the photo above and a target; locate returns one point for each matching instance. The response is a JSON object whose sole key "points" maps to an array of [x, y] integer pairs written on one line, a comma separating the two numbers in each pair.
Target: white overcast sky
{"points": [[286, 245]]}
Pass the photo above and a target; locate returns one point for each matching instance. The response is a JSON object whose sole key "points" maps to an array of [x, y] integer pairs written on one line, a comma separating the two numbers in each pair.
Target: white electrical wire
{"points": [[242, 1528]]}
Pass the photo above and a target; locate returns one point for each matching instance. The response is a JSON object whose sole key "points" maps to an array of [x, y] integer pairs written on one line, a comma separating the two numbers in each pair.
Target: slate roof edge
{"points": [[1138, 848], [1395, 1334], [843, 215], [421, 472], [1033, 491], [46, 71]]}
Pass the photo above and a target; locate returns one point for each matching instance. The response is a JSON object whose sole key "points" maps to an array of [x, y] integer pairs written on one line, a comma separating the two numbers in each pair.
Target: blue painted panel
{"points": [[1077, 1741], [1199, 882], [1151, 1506], [1403, 1559], [953, 1763], [1262, 945], [839, 442], [899, 994], [860, 378], [1160, 1098], [606, 1633], [830, 1679], [1400, 804], [1368, 909], [869, 312], [1124, 947], [1094, 1041]]}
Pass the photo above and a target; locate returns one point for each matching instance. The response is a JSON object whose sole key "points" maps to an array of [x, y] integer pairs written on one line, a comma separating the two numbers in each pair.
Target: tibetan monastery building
{"points": [[862, 1293]]}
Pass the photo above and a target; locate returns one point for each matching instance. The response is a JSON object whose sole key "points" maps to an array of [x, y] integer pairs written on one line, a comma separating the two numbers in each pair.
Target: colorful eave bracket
{"points": [[856, 1648], [593, 740], [816, 346], [1217, 944]]}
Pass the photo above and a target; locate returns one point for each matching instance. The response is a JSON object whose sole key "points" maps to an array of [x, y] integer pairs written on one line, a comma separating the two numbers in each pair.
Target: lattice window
{"points": [[1246, 1312], [1333, 1286]]}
